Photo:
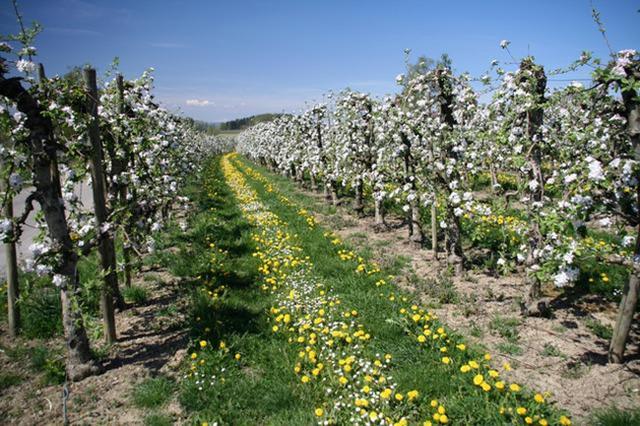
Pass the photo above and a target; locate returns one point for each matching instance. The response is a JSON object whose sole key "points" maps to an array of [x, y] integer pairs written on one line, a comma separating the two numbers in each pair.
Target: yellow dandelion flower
{"points": [[565, 421], [478, 379], [411, 395]]}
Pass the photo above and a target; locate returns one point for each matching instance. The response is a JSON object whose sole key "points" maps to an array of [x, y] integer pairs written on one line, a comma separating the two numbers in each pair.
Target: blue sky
{"points": [[219, 60]]}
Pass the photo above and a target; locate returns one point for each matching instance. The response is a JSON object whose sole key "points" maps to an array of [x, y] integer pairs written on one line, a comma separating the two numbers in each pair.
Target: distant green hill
{"points": [[233, 126], [243, 123]]}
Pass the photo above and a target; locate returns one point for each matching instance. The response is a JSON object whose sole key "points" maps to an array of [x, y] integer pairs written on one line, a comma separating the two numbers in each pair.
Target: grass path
{"points": [[238, 377], [291, 326]]}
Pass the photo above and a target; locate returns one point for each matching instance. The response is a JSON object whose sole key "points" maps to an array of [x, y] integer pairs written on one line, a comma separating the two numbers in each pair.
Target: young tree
{"points": [[39, 144]]}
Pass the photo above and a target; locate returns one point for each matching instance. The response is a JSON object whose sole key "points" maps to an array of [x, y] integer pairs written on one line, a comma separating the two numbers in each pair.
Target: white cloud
{"points": [[198, 102]]}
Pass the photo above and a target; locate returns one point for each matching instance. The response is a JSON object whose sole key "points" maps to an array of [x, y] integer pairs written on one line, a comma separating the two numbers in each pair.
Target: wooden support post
{"points": [[106, 246], [13, 291]]}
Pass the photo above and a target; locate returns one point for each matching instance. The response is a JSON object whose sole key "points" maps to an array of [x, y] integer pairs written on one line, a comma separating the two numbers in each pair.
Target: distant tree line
{"points": [[246, 122]]}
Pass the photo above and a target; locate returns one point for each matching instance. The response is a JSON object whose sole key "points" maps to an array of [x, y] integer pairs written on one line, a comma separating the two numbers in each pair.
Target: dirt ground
{"points": [[150, 343], [560, 355]]}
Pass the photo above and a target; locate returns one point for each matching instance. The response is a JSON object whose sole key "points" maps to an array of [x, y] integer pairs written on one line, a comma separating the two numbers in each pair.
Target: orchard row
{"points": [[62, 132], [547, 180]]}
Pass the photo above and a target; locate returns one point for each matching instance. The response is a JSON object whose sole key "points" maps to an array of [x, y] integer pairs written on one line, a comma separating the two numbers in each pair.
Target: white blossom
{"points": [[595, 170], [565, 277], [25, 66]]}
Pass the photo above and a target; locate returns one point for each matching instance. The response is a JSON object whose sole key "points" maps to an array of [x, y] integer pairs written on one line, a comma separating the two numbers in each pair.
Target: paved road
{"points": [[30, 230]]}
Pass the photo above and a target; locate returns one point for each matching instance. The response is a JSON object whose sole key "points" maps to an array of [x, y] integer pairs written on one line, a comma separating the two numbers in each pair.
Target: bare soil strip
{"points": [[151, 342]]}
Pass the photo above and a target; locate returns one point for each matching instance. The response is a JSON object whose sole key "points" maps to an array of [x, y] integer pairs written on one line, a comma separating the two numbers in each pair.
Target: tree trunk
{"points": [[434, 229], [453, 237], [166, 211], [358, 203], [534, 77], [334, 193], [494, 177], [379, 211], [626, 312], [299, 176], [314, 184], [47, 183], [416, 237], [454, 243], [122, 188], [326, 191], [630, 293], [126, 255], [106, 247]]}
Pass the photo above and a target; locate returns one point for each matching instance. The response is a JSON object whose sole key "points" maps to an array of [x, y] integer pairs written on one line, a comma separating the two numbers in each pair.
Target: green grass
{"points": [[40, 308], [602, 331], [476, 331], [506, 327], [167, 311], [440, 289], [158, 419], [509, 348], [260, 388], [49, 362], [40, 305], [9, 379], [135, 294], [153, 392], [551, 350], [615, 417]]}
